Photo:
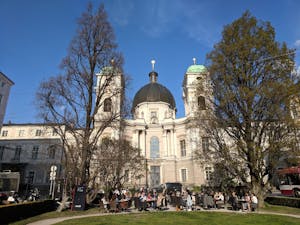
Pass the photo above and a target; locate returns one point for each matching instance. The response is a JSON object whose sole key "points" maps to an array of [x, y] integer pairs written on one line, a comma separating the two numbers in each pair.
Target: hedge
{"points": [[283, 201], [15, 212]]}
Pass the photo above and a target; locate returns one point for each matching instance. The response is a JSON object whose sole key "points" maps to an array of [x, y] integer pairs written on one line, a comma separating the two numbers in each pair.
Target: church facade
{"points": [[169, 143]]}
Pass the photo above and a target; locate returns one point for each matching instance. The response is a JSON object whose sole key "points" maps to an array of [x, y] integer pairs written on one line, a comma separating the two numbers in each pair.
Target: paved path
{"points": [[60, 219]]}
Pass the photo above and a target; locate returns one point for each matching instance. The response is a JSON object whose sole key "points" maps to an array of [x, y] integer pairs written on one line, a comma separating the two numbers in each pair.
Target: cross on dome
{"points": [[153, 63], [194, 60]]}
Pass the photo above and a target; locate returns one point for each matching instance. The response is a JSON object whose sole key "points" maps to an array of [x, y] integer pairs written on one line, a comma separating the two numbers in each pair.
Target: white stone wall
{"points": [[27, 137]]}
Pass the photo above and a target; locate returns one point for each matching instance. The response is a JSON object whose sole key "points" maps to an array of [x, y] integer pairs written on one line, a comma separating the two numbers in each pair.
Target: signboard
{"points": [[79, 198], [53, 172]]}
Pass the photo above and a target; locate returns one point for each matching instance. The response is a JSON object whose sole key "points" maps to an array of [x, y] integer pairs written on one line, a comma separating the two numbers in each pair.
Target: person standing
{"points": [[178, 200], [189, 201]]}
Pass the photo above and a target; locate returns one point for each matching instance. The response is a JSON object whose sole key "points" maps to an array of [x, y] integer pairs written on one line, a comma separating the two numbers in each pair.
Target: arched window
{"points": [[154, 147], [201, 103], [107, 105]]}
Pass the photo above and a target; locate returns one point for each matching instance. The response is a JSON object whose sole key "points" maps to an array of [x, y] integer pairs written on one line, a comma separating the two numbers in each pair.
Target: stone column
{"points": [[168, 143], [172, 142], [135, 139], [145, 143], [142, 142], [165, 144]]}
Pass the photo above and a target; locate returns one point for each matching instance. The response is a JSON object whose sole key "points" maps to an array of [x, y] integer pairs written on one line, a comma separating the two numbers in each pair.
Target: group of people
{"points": [[247, 202], [122, 200], [213, 200], [145, 199], [14, 197]]}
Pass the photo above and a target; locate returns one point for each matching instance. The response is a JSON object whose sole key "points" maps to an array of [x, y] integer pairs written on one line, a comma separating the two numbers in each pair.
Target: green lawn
{"points": [[199, 217], [183, 218], [280, 209]]}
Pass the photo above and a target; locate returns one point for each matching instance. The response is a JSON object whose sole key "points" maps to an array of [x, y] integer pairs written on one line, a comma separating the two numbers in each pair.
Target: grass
{"points": [[280, 209], [165, 218], [183, 218]]}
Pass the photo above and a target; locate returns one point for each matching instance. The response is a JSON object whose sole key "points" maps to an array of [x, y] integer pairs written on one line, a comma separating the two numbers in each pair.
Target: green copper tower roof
{"points": [[196, 69]]}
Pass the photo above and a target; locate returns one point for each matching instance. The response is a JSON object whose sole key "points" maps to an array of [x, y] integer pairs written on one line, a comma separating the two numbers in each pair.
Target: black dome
{"points": [[153, 92]]}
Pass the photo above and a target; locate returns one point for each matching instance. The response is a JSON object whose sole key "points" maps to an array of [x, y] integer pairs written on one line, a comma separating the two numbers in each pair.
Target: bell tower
{"points": [[196, 89], [109, 96]]}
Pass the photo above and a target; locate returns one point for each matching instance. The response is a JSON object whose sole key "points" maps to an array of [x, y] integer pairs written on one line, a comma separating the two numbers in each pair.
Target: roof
{"points": [[196, 69], [153, 92], [294, 169], [109, 70], [9, 80]]}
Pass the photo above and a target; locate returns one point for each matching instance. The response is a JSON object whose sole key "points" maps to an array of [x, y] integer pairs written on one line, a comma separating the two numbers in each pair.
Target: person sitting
{"points": [[123, 203], [154, 200], [11, 199], [104, 203], [233, 200], [149, 200], [210, 201], [113, 203], [205, 200], [246, 202], [219, 200], [143, 202], [254, 202]]}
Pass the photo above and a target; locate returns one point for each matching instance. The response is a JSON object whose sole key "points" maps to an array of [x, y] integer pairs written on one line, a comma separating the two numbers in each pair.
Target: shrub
{"points": [[15, 212], [283, 201]]}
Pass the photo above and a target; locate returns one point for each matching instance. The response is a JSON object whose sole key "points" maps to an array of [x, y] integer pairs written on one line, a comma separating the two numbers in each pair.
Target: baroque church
{"points": [[168, 143]]}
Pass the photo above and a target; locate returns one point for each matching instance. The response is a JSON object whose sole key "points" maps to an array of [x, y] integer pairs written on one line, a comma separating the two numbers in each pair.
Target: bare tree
{"points": [[119, 163], [251, 126], [76, 97]]}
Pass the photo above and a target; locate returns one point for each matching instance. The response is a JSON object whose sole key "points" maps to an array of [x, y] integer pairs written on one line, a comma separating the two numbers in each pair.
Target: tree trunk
{"points": [[260, 194]]}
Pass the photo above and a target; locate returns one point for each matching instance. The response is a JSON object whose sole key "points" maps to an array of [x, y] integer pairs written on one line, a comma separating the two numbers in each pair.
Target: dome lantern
{"points": [[153, 92]]}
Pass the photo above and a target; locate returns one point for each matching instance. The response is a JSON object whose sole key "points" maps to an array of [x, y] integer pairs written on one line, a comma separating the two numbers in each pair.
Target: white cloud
{"points": [[200, 22], [156, 18], [297, 43], [190, 18], [159, 17], [122, 11]]}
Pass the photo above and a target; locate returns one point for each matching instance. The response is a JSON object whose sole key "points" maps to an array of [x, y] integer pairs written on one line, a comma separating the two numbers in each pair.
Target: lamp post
{"points": [[146, 160]]}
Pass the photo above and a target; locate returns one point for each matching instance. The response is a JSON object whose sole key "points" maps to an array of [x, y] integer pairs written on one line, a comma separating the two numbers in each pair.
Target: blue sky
{"points": [[35, 35]]}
